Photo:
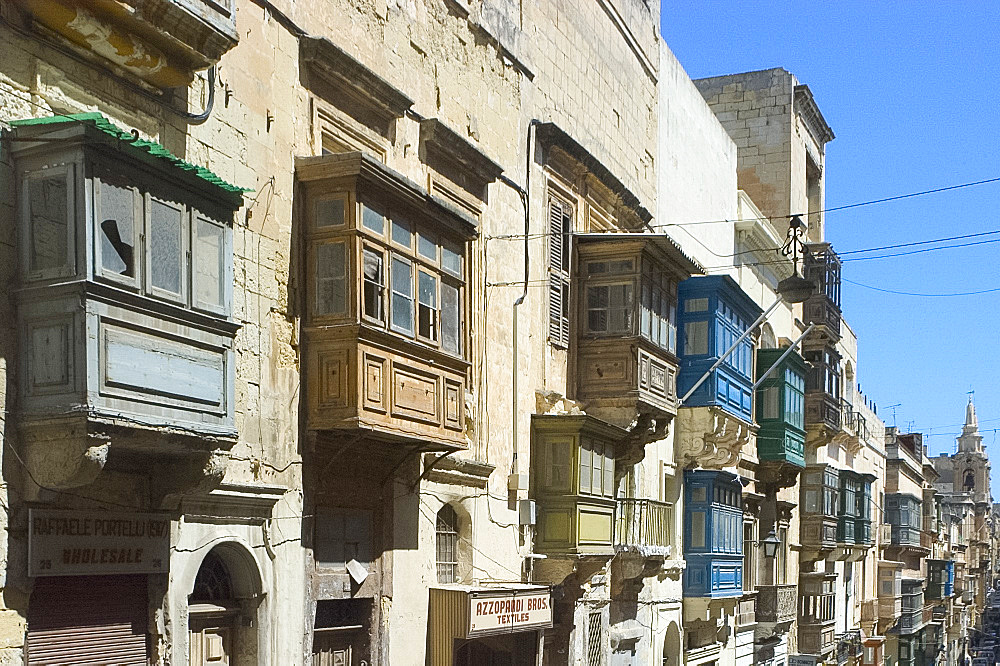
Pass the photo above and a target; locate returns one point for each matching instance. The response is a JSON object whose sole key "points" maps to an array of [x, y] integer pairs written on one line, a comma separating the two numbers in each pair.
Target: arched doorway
{"points": [[672, 646], [222, 608]]}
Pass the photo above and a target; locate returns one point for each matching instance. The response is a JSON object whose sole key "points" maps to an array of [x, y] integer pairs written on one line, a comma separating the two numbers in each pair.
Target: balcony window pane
{"points": [[165, 246], [696, 305], [373, 219], [402, 296], [117, 229], [597, 469], [597, 309], [451, 259], [770, 405], [374, 285], [586, 456], [48, 200], [697, 529], [557, 468], [402, 233], [696, 338], [209, 263], [427, 313], [609, 471], [330, 212], [426, 246], [450, 319], [331, 279]]}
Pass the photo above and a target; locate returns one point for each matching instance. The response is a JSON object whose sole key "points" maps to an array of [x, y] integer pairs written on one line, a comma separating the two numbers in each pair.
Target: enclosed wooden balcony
{"points": [[817, 613], [385, 327], [572, 481], [626, 349], [781, 408], [822, 267]]}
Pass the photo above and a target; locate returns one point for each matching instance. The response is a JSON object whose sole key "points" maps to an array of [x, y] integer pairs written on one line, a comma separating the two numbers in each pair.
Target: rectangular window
{"points": [[210, 280], [331, 279], [586, 469], [697, 529], [427, 313], [609, 308], [402, 233], [49, 206], [451, 322], [117, 230], [402, 296], [166, 246], [451, 259], [372, 219], [560, 228], [427, 246], [329, 213], [696, 305], [696, 338], [782, 556], [770, 403], [557, 465], [374, 285]]}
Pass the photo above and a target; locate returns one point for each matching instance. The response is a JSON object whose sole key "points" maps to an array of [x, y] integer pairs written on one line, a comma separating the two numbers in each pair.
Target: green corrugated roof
{"points": [[152, 148]]}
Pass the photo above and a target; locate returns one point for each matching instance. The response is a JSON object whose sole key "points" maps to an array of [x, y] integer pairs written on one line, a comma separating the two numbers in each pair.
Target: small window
{"points": [[609, 308], [427, 313], [557, 465], [696, 338], [402, 296], [451, 323], [426, 246], [770, 403], [372, 219], [166, 246], [330, 212], [696, 305], [48, 200], [697, 529], [447, 545], [374, 285], [402, 233], [331, 279], [210, 251], [451, 259], [117, 230]]}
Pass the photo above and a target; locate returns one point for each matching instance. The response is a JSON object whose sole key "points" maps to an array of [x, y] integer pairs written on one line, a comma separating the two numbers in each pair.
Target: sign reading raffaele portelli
{"points": [[72, 543]]}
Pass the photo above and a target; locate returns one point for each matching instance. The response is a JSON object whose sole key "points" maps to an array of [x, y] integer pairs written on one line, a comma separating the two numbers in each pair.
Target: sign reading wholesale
{"points": [[509, 611], [71, 543]]}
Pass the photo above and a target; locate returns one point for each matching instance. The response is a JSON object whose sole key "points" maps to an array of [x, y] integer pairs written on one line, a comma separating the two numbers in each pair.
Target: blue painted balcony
{"points": [[713, 534], [714, 312]]}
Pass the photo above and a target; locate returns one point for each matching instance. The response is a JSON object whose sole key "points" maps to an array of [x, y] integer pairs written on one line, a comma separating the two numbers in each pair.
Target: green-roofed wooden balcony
{"points": [[124, 300]]}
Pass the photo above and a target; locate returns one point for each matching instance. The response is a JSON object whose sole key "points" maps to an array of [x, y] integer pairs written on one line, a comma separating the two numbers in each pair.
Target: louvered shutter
{"points": [[88, 620], [559, 248]]}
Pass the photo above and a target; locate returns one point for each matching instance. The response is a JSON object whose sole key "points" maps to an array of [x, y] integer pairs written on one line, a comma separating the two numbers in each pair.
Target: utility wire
{"points": [[910, 293]]}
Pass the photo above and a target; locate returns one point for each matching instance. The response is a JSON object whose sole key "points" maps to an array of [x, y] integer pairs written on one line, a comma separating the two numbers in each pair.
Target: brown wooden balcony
{"points": [[644, 526], [776, 603]]}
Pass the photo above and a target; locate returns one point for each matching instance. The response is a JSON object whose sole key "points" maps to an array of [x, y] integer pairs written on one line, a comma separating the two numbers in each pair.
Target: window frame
{"points": [[183, 234], [100, 175], [69, 266], [453, 535], [560, 266]]}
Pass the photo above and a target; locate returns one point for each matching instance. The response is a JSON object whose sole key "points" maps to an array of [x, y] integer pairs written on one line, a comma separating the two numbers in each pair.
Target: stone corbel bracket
{"points": [[710, 437]]}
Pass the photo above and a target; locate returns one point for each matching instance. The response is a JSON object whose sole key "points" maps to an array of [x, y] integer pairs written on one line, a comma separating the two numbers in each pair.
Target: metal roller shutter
{"points": [[97, 620]]}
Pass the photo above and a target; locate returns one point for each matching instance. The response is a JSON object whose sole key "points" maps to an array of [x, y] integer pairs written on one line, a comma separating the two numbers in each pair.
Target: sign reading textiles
{"points": [[70, 543], [491, 612]]}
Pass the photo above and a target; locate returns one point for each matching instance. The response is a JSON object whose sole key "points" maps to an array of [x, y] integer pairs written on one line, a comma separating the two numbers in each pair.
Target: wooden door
{"points": [[210, 640]]}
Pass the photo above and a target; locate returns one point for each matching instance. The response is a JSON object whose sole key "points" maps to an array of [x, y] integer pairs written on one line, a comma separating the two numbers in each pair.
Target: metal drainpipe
{"points": [[526, 200]]}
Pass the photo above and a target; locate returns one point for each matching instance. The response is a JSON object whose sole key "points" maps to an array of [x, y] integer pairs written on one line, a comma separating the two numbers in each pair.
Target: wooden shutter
{"points": [[88, 620], [560, 226]]}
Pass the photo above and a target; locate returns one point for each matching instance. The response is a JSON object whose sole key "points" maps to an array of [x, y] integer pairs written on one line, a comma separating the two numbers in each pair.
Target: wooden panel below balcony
{"points": [[626, 371], [356, 385], [575, 525]]}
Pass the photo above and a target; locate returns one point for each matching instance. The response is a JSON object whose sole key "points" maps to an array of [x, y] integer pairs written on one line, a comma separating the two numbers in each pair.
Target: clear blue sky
{"points": [[912, 91]]}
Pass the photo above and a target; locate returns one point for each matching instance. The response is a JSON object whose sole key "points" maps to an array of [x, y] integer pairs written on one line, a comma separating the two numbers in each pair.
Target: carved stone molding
{"points": [[773, 476], [710, 438]]}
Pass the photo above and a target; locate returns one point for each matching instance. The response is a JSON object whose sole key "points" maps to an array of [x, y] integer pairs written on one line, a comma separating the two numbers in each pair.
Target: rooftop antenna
{"points": [[893, 408]]}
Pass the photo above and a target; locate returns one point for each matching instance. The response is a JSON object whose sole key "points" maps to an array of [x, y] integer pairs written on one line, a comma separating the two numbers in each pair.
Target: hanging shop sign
{"points": [[73, 543], [802, 660], [497, 612]]}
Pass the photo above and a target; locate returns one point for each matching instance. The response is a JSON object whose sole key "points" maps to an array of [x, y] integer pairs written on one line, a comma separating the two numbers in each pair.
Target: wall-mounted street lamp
{"points": [[794, 289], [771, 543]]}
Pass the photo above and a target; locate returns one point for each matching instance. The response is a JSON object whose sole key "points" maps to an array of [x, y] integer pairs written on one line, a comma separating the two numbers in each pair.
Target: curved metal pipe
{"points": [[199, 118]]}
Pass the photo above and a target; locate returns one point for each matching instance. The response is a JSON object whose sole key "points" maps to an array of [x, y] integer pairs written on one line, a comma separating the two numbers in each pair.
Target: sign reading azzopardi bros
{"points": [[493, 612], [70, 543]]}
